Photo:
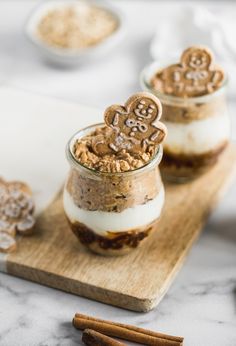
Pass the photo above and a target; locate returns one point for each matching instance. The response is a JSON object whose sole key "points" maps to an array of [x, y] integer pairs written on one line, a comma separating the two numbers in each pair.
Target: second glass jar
{"points": [[198, 130]]}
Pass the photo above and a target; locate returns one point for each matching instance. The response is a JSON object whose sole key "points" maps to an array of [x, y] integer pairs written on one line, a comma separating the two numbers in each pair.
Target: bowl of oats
{"points": [[74, 31]]}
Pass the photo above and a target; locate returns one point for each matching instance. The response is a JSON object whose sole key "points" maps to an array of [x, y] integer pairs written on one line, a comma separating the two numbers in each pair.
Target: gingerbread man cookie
{"points": [[134, 126], [195, 75], [16, 212]]}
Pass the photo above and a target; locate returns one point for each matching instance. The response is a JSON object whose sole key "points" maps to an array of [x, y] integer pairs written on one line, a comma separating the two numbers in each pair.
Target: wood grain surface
{"points": [[139, 280]]}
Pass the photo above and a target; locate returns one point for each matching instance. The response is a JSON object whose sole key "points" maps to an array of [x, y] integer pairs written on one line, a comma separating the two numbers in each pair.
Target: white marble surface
{"points": [[201, 304]]}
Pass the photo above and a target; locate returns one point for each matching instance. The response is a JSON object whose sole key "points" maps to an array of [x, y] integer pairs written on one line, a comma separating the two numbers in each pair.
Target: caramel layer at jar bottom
{"points": [[115, 243], [189, 166]]}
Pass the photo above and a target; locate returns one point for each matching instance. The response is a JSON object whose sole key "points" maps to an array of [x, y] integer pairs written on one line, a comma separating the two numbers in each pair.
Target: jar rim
{"points": [[156, 159], [154, 67]]}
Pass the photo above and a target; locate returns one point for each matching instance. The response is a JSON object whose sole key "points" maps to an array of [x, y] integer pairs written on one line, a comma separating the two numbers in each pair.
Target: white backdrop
{"points": [[201, 303]]}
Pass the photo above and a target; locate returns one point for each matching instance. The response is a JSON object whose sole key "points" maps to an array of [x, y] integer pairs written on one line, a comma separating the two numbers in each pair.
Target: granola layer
{"points": [[182, 165], [86, 154], [113, 243]]}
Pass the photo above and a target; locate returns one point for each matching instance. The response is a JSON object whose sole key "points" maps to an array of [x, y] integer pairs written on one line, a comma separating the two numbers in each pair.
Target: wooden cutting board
{"points": [[137, 281], [52, 256]]}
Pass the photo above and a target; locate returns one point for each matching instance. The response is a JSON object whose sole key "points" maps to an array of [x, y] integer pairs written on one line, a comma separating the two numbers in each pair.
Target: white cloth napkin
{"points": [[193, 25]]}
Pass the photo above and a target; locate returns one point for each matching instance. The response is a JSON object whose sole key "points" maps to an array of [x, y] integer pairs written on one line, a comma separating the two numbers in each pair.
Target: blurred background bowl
{"points": [[68, 56]]}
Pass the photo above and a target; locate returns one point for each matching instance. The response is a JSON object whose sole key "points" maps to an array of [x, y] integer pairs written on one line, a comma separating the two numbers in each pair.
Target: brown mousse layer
{"points": [[187, 112], [113, 194]]}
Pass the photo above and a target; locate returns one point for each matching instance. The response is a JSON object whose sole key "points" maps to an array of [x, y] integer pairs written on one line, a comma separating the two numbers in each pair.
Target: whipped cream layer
{"points": [[198, 136], [129, 219]]}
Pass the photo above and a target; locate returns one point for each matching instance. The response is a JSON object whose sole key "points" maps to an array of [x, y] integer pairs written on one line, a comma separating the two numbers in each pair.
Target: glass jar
{"points": [[112, 213], [198, 130]]}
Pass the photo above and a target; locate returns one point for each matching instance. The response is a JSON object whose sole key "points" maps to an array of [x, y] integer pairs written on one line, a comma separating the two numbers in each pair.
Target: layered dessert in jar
{"points": [[193, 95], [114, 194]]}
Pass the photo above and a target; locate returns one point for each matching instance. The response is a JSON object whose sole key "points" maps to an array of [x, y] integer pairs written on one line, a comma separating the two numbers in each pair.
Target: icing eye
{"points": [[130, 122], [143, 111], [140, 106]]}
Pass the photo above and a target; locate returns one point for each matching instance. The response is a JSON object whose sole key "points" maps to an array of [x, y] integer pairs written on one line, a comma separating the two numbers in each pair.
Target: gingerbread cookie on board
{"points": [[134, 126], [7, 243], [195, 75], [16, 213]]}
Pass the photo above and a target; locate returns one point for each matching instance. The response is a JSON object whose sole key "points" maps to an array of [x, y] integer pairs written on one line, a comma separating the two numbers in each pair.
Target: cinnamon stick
{"points": [[127, 332], [92, 338]]}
